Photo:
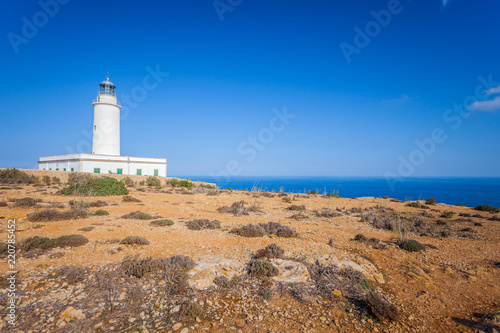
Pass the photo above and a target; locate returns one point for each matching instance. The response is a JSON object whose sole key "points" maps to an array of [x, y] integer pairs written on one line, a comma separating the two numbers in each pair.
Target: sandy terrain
{"points": [[451, 286]]}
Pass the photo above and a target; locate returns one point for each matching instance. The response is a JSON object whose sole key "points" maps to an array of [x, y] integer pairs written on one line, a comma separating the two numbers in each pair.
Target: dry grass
{"points": [[262, 269], [249, 230], [26, 202], [50, 215], [380, 308], [137, 215]]}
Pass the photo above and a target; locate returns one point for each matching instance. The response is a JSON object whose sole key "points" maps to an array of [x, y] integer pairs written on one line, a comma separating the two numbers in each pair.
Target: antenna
{"points": [[107, 75]]}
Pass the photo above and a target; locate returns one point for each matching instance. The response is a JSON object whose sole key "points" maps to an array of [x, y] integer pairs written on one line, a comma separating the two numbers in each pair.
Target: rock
{"points": [[290, 271], [185, 330], [337, 293], [78, 314], [177, 326], [176, 308], [67, 312]]}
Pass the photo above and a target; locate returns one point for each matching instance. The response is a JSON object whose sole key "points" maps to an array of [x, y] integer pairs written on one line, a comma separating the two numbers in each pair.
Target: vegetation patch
{"points": [[86, 229], [278, 229], [487, 208], [50, 215], [71, 241], [249, 230], [162, 223], [3, 204], [327, 212], [297, 207], [134, 240], [262, 269], [417, 204], [412, 246], [26, 202], [380, 308], [74, 275], [15, 176], [237, 208], [138, 216], [203, 224], [101, 212], [270, 252], [97, 186], [431, 201], [129, 198], [181, 183], [447, 214], [153, 181]]}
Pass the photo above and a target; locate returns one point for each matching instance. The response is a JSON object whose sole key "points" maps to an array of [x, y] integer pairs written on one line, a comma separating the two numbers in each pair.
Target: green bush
{"points": [[47, 180], [181, 183], [447, 214], [101, 212], [98, 186], [153, 181], [412, 246], [262, 269], [488, 208], [134, 240], [128, 181], [15, 176], [431, 201], [162, 223]]}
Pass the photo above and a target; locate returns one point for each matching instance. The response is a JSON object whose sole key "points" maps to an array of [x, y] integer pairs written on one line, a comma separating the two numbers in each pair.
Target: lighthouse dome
{"points": [[107, 88]]}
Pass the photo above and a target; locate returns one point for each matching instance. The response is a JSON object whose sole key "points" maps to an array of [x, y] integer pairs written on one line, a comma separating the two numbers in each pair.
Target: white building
{"points": [[105, 157]]}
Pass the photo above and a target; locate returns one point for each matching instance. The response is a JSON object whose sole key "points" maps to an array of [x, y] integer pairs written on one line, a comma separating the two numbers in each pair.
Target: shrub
{"points": [[75, 275], [431, 201], [47, 180], [221, 281], [447, 214], [128, 198], [71, 240], [98, 203], [203, 224], [15, 176], [412, 246], [128, 181], [134, 240], [101, 212], [26, 202], [331, 242], [416, 204], [487, 208], [153, 181], [181, 183], [137, 215], [441, 222], [77, 178], [380, 308], [237, 208], [270, 252], [50, 215], [162, 223], [494, 218], [278, 229], [98, 186], [3, 204], [56, 180], [297, 207], [37, 242], [86, 229], [327, 212], [249, 230], [312, 192], [262, 269]]}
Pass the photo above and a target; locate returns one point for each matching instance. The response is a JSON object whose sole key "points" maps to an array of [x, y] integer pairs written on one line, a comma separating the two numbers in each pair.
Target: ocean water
{"points": [[466, 191]]}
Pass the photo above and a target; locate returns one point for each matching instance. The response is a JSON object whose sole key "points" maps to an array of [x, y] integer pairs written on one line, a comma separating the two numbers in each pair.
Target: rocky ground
{"points": [[339, 265]]}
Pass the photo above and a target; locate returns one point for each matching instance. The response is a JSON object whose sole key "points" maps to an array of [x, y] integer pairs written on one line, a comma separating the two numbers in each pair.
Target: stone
{"points": [[67, 312], [185, 330], [78, 314], [290, 271], [337, 293], [177, 326]]}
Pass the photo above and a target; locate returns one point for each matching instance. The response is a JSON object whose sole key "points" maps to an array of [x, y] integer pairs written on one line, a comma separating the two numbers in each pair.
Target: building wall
{"points": [[147, 169]]}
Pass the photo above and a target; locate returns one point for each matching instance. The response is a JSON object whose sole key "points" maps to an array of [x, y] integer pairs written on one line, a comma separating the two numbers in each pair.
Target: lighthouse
{"points": [[106, 132], [105, 157]]}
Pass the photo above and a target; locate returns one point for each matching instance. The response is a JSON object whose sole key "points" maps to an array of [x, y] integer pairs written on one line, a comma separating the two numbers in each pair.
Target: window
{"points": [[50, 168], [97, 170], [57, 169], [139, 172], [43, 168], [64, 169], [119, 171], [156, 172], [72, 169]]}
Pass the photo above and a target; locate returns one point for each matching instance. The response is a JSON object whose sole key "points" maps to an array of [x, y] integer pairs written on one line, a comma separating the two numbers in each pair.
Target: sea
{"points": [[466, 191]]}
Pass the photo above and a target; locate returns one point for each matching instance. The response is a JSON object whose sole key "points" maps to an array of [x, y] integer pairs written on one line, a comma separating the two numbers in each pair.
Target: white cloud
{"points": [[493, 91], [486, 106]]}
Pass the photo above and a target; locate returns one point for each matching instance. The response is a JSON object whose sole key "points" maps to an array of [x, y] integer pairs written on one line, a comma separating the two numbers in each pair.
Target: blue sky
{"points": [[231, 63]]}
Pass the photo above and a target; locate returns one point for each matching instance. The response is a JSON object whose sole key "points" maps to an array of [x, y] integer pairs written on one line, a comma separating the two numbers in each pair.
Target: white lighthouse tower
{"points": [[105, 157], [106, 133]]}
